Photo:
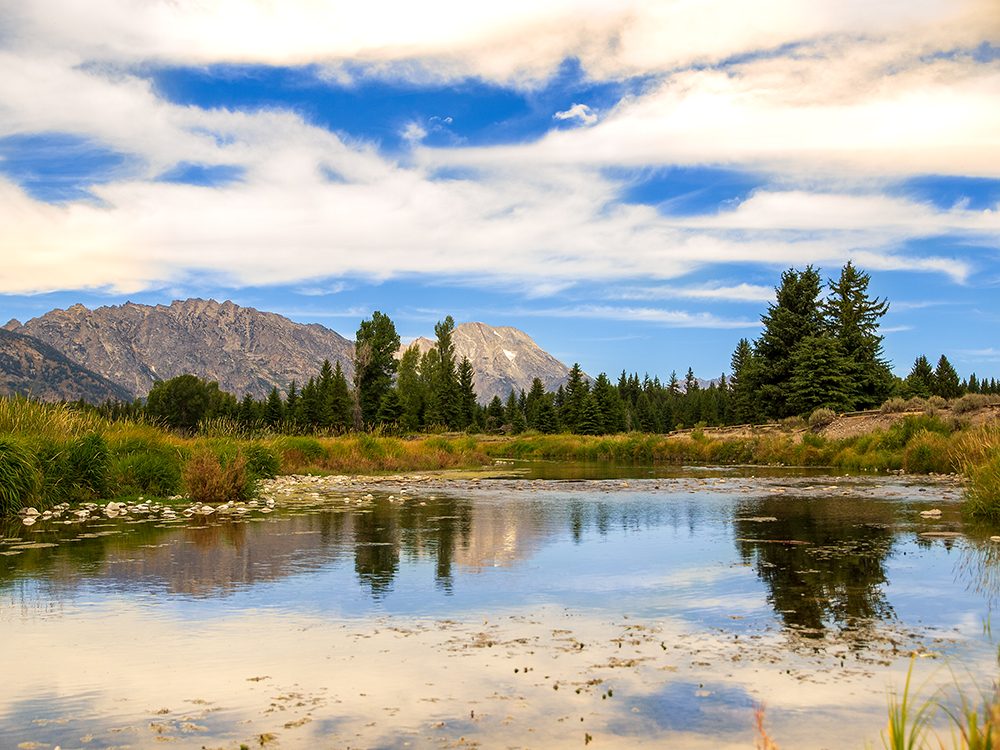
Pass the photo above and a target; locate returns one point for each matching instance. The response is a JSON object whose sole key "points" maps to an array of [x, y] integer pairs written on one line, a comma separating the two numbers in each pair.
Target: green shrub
{"points": [[311, 449], [982, 490], [88, 462], [822, 417], [927, 452], [261, 461], [150, 473], [894, 406], [970, 402], [371, 448], [20, 481], [790, 424], [917, 404]]}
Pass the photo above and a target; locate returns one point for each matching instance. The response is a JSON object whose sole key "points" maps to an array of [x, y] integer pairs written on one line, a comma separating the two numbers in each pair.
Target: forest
{"points": [[815, 352]]}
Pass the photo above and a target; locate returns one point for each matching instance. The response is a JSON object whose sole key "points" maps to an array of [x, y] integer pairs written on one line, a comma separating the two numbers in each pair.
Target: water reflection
{"points": [[823, 559], [503, 611]]}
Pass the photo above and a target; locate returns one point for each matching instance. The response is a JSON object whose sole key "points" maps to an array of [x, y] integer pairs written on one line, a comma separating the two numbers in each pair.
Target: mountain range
{"points": [[131, 346]]}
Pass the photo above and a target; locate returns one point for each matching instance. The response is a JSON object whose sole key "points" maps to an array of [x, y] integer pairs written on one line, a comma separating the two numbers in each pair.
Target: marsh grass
{"points": [[909, 720], [20, 480], [22, 417], [979, 454], [971, 719], [372, 454]]}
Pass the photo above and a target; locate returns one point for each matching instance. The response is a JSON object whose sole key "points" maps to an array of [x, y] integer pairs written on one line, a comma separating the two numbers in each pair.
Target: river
{"points": [[535, 606]]}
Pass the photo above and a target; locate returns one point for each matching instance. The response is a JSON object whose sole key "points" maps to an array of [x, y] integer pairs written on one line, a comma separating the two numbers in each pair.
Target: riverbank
{"points": [[51, 455]]}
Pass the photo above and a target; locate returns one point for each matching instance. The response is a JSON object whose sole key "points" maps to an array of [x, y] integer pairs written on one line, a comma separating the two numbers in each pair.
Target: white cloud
{"points": [[862, 99], [737, 293], [577, 112], [667, 318]]}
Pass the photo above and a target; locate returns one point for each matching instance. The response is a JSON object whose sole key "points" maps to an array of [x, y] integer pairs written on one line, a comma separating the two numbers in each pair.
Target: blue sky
{"points": [[625, 182]]}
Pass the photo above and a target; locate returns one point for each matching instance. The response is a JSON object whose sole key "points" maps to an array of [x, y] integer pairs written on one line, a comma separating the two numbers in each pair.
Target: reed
{"points": [[909, 721], [22, 416]]}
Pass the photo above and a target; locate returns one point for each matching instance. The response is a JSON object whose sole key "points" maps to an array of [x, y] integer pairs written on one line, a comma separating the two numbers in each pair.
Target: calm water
{"points": [[651, 608]]}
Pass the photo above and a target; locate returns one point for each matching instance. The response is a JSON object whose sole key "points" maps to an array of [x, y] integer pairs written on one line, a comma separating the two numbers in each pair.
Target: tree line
{"points": [[814, 352]]}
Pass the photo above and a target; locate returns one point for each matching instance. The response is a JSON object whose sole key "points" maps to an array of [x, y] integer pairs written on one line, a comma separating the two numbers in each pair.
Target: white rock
{"points": [[932, 513]]}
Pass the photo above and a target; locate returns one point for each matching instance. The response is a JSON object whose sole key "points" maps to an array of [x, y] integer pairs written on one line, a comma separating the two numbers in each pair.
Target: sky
{"points": [[624, 181]]}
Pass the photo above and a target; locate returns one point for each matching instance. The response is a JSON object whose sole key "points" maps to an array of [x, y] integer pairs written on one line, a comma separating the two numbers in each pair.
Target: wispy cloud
{"points": [[666, 318], [577, 112], [738, 293]]}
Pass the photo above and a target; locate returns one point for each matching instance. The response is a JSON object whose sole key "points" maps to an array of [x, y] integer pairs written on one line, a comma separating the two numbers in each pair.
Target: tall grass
{"points": [[980, 457], [20, 479], [21, 416]]}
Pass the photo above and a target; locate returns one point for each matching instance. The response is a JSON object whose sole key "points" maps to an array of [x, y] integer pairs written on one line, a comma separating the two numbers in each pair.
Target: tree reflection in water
{"points": [[384, 531], [822, 559]]}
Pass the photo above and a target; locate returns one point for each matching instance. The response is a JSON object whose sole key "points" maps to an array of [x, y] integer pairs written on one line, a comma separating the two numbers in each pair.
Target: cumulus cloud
{"points": [[820, 98]]}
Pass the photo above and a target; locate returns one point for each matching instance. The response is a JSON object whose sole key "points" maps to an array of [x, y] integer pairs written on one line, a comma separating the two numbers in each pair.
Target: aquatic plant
{"points": [[908, 721]]}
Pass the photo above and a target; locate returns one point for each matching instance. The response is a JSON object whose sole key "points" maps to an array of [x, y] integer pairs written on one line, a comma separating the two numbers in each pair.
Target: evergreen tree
{"points": [[608, 406], [337, 411], [547, 420], [946, 383], [576, 391], [514, 415], [309, 407], [741, 384], [852, 318], [391, 409], [411, 389], [325, 382], [794, 316], [429, 366], [920, 381], [533, 403], [247, 412], [273, 409], [590, 418], [496, 415], [973, 385], [820, 377], [466, 395], [444, 403], [292, 403], [374, 365]]}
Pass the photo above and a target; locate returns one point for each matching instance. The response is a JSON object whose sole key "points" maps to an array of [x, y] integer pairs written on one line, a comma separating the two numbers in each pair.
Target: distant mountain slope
{"points": [[248, 351], [243, 349], [502, 358], [33, 368]]}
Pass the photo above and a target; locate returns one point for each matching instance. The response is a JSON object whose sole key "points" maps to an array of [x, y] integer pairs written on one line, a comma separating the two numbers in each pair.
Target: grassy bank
{"points": [[918, 444], [51, 454]]}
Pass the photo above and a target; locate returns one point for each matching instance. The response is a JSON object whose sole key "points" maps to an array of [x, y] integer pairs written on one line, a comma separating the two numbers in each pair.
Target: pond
{"points": [[545, 606]]}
